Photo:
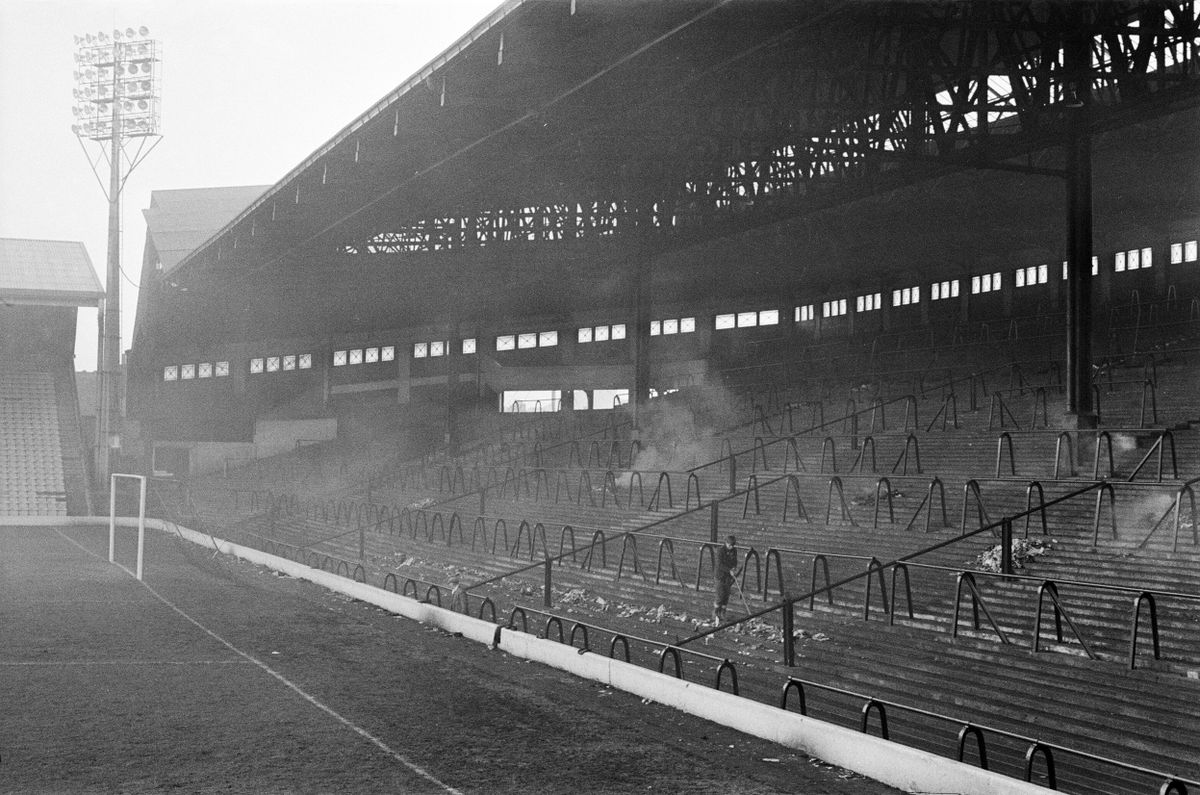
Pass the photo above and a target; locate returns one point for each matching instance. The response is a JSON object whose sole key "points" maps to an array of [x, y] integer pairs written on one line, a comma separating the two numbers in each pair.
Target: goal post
{"points": [[112, 518]]}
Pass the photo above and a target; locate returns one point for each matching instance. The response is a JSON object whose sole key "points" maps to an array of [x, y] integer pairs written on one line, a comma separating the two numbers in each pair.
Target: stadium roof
{"points": [[47, 273], [559, 141], [178, 221]]}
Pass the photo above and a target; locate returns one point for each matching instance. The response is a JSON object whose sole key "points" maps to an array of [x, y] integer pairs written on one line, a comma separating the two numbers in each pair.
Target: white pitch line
{"points": [[89, 663], [399, 757]]}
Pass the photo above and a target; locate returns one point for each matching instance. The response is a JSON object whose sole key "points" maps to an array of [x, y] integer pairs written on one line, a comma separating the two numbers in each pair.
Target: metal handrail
{"points": [[1033, 742]]}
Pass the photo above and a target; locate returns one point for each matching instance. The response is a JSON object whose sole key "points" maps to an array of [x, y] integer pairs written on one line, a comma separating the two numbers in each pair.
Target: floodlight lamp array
{"points": [[118, 86]]}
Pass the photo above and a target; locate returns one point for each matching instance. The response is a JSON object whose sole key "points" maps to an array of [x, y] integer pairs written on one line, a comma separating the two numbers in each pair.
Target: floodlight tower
{"points": [[117, 95]]}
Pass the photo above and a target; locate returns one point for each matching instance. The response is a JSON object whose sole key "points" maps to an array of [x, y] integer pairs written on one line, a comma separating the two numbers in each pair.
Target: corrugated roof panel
{"points": [[180, 220], [55, 271]]}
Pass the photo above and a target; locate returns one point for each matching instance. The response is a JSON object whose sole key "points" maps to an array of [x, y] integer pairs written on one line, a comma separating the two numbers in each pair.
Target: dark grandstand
{"points": [[903, 294]]}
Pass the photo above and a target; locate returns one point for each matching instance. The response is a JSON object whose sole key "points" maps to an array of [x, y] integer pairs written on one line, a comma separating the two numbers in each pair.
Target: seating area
{"points": [[871, 504], [31, 449]]}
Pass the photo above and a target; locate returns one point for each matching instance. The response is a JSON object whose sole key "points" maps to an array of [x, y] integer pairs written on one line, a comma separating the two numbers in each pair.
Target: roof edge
{"points": [[489, 22]]}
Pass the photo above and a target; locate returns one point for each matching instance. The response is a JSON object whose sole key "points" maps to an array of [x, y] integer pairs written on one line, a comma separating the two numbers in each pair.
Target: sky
{"points": [[249, 89]]}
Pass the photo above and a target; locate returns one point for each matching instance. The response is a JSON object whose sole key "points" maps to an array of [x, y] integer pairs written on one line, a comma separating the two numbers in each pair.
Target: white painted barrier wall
{"points": [[891, 763]]}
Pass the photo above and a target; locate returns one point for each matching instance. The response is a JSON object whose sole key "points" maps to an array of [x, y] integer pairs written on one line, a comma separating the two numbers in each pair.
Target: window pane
{"points": [[506, 342], [585, 335], [437, 348], [387, 353], [256, 365], [289, 362], [600, 333], [371, 355], [1146, 255], [187, 372], [725, 321], [527, 340], [204, 370], [747, 319], [305, 361], [618, 331], [974, 285], [670, 326], [1119, 262], [1043, 274], [687, 325], [768, 317], [1176, 253], [1189, 251], [547, 339], [916, 294], [170, 373], [339, 359], [1133, 261], [356, 356], [954, 289], [468, 346], [420, 350], [1020, 277], [222, 369], [842, 306]]}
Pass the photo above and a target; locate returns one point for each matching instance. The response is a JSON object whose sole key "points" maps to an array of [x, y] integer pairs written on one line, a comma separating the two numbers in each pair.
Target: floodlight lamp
{"points": [[143, 104], [90, 38], [117, 35], [144, 31], [130, 33], [145, 85], [102, 38]]}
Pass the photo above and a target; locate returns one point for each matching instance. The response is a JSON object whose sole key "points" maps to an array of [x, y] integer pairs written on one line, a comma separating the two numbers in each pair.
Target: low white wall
{"points": [[894, 764]]}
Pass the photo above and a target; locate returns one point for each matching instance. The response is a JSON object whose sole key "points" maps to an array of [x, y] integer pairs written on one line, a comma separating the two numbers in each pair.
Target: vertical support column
{"points": [[108, 425], [453, 351], [1079, 231], [789, 634], [1006, 540], [642, 272]]}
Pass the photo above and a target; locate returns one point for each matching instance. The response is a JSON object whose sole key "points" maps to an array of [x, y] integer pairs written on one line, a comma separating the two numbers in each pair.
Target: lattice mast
{"points": [[118, 91]]}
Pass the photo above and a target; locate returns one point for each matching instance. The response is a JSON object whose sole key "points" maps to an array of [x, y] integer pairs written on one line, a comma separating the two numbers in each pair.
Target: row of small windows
{"points": [[1034, 274], [906, 296], [187, 372], [1132, 260], [679, 325], [765, 317], [868, 303], [529, 339], [1123, 261], [353, 356], [988, 282], [834, 308], [601, 333], [1183, 252], [940, 291]]}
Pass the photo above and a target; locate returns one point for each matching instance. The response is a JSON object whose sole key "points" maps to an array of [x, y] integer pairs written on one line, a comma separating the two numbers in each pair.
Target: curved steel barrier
{"points": [[980, 746], [726, 665], [579, 626], [662, 661]]}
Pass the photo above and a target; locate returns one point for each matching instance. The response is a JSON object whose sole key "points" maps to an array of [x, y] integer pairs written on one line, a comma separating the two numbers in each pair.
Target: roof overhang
{"points": [[553, 130], [47, 273]]}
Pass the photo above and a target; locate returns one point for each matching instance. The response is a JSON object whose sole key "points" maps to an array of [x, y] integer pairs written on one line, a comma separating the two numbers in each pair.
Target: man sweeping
{"points": [[726, 570]]}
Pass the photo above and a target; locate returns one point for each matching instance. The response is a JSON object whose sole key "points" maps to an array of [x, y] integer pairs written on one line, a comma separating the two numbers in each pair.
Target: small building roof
{"points": [[47, 273], [180, 220]]}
